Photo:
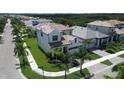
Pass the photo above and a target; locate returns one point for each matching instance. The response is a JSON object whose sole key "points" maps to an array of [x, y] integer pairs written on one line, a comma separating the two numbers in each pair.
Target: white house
{"points": [[103, 30], [69, 39], [53, 35]]}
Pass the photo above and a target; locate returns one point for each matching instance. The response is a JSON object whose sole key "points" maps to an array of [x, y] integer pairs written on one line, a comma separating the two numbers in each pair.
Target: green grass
{"points": [[122, 56], [85, 72], [107, 62], [30, 74], [41, 58], [94, 56], [119, 68]]}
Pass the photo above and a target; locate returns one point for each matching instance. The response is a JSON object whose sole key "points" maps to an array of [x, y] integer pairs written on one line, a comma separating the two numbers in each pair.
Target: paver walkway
{"points": [[8, 62], [35, 68]]}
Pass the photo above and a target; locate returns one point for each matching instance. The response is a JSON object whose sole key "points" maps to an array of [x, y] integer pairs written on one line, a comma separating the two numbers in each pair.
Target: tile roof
{"points": [[49, 27], [101, 23], [67, 39], [84, 33], [119, 31]]}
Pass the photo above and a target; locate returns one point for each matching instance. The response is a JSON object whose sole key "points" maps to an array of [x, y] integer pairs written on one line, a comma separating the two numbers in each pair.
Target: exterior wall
{"points": [[74, 46], [43, 41], [66, 32], [93, 43], [55, 32], [121, 37], [34, 32]]}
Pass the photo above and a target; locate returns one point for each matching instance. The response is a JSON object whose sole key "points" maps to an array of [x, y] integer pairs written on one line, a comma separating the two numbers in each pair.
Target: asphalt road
{"points": [[9, 68]]}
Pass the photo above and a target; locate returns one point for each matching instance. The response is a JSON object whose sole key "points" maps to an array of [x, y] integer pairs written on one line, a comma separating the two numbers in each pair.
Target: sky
{"points": [[61, 6]]}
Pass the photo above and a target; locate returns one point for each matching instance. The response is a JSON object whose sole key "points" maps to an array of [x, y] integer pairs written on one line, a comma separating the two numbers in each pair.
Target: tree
{"points": [[66, 59], [83, 54], [55, 53]]}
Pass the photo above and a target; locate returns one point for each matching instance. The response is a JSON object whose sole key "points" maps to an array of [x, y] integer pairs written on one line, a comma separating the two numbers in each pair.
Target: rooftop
{"points": [[67, 39], [84, 33], [49, 27], [101, 23], [119, 31]]}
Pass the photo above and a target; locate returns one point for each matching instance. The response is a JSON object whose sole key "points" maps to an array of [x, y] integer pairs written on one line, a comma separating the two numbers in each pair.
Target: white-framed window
{"points": [[55, 38]]}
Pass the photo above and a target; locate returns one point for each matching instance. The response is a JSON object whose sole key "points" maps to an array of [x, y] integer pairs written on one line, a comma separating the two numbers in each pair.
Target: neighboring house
{"points": [[53, 35], [34, 23], [82, 33], [104, 31]]}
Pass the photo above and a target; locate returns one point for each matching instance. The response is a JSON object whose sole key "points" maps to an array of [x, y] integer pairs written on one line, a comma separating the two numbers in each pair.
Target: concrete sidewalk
{"points": [[35, 68]]}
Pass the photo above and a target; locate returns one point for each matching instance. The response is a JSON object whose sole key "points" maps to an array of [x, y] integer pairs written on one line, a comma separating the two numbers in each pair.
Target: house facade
{"points": [[69, 39], [53, 35], [104, 31]]}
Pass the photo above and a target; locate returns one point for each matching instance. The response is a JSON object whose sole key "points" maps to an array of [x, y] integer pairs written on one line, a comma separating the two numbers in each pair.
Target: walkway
{"points": [[35, 68], [8, 62]]}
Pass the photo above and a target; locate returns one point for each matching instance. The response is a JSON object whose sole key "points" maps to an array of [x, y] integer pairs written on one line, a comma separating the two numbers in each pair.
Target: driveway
{"points": [[9, 68], [99, 70], [114, 60]]}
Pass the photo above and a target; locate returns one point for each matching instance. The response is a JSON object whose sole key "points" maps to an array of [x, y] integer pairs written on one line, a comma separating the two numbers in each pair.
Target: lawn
{"points": [[30, 74], [122, 55], [85, 72], [119, 68], [107, 62], [94, 56], [42, 60]]}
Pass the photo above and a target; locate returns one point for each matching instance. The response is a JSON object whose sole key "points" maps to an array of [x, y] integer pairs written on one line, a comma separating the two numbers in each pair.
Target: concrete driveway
{"points": [[100, 70], [8, 62]]}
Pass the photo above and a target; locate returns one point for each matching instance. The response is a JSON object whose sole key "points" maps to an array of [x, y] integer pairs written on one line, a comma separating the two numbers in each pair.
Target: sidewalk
{"points": [[35, 68]]}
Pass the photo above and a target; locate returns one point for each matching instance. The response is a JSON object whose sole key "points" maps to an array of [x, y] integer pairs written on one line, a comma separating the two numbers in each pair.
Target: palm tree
{"points": [[56, 53], [83, 54], [66, 59]]}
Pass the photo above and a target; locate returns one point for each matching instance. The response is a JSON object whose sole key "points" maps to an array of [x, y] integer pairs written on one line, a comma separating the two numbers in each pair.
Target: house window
{"points": [[64, 33], [41, 34], [75, 40], [55, 38], [96, 28]]}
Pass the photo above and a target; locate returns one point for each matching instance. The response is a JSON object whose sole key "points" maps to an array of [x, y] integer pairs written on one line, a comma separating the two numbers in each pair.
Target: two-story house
{"points": [[103, 31], [53, 35]]}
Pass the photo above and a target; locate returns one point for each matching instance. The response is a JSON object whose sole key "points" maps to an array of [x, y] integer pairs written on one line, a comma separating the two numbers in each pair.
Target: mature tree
{"points": [[55, 53], [83, 54], [66, 59]]}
